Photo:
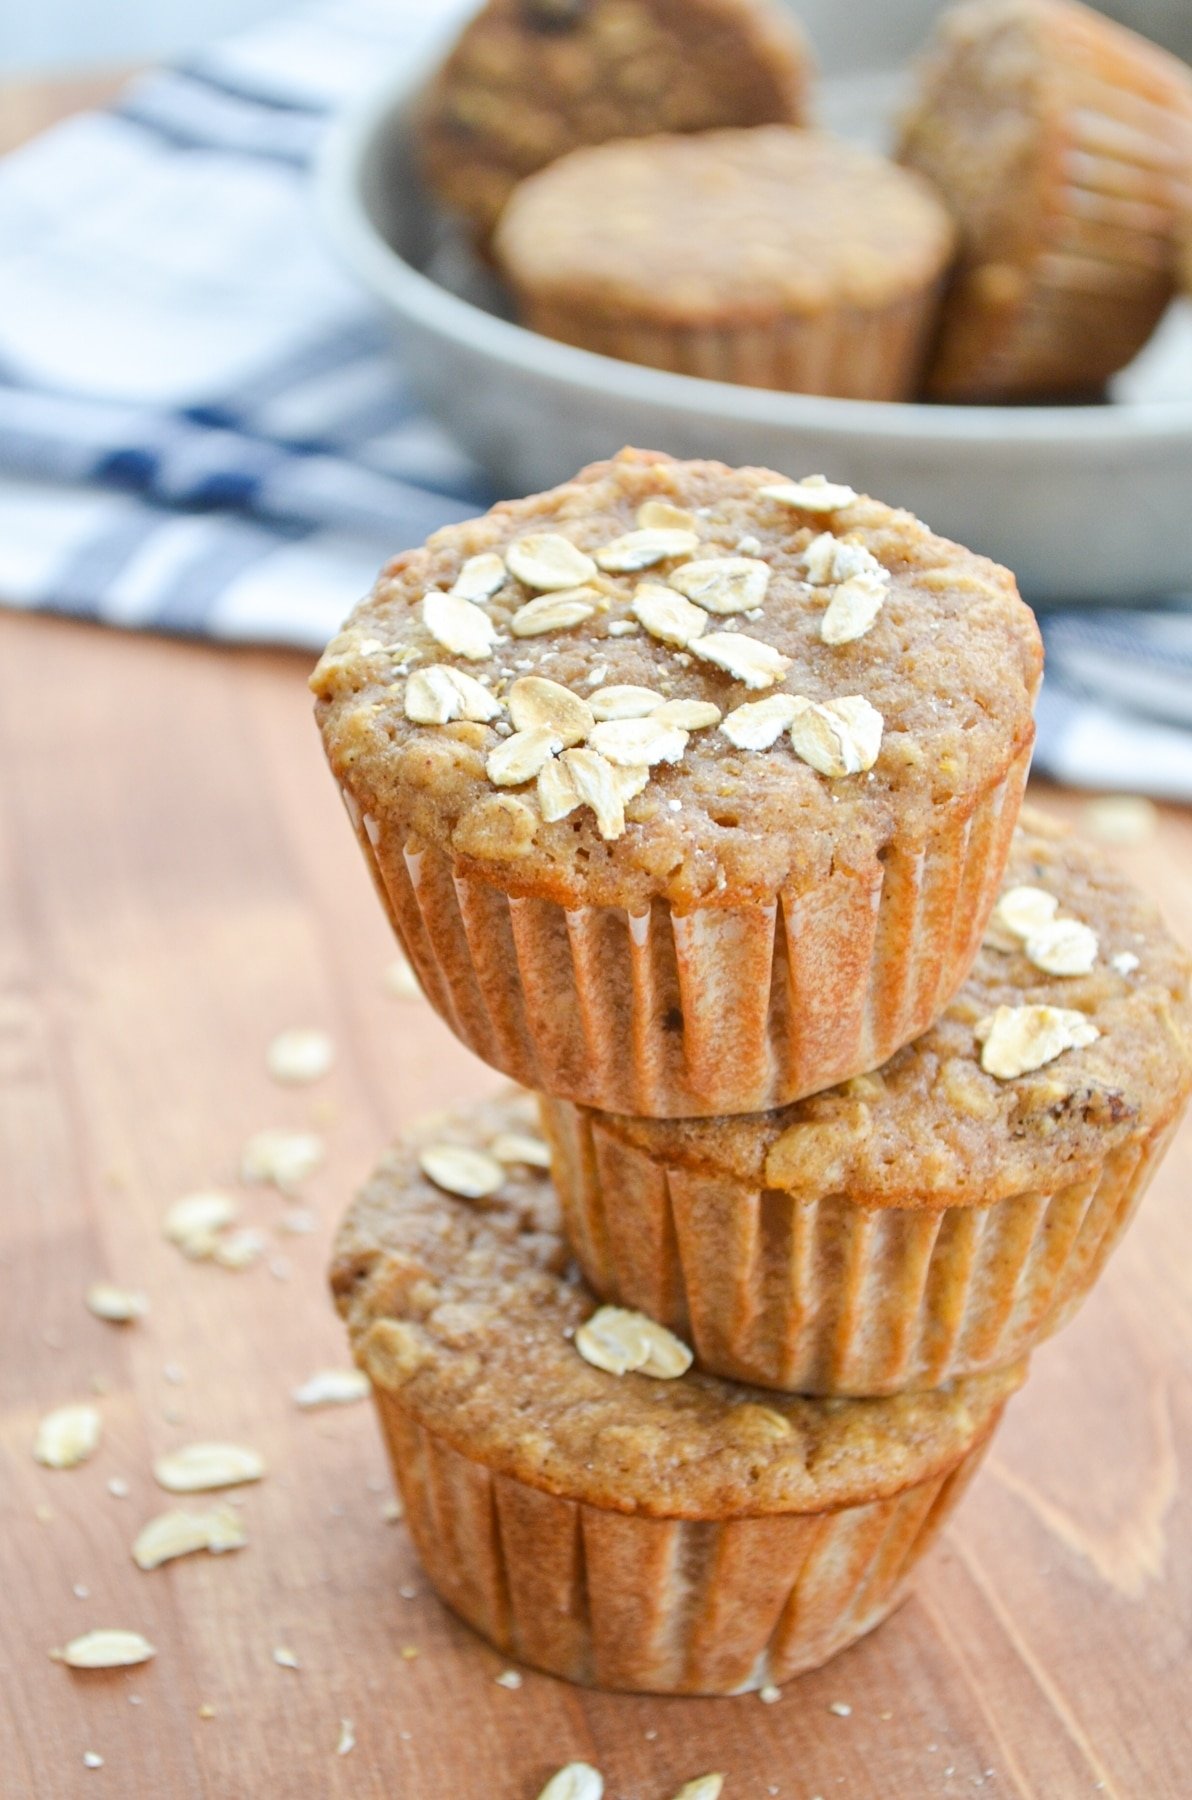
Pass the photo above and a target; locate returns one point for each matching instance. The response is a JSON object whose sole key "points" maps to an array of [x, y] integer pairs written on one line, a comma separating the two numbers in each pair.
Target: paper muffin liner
{"points": [[657, 1605], [849, 352], [722, 1009], [826, 1296], [1118, 174]]}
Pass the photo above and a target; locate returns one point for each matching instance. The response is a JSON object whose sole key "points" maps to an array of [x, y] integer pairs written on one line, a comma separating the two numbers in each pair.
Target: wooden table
{"points": [[177, 883]]}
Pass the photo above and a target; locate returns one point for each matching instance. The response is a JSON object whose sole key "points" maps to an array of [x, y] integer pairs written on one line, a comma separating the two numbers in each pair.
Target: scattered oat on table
{"points": [[195, 1222], [300, 1055], [197, 1467], [177, 1533], [92, 1760], [333, 1387], [284, 1158], [107, 1648], [401, 981], [347, 1737], [67, 1436], [119, 1306], [285, 1658]]}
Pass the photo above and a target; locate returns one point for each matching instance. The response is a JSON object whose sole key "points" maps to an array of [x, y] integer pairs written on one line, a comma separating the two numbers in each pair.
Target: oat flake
{"points": [[748, 660], [347, 1738], [840, 737], [535, 702], [471, 1174], [621, 1342], [1016, 1040], [661, 515], [548, 562], [688, 715], [119, 1306], [299, 1056], [520, 1147], [518, 758], [106, 1649], [638, 743], [67, 1436], [440, 694], [760, 723], [479, 578], [332, 1387], [644, 548], [198, 1467], [1063, 947], [284, 1158], [1024, 910], [555, 612], [852, 609], [458, 626], [813, 494], [723, 584], [596, 782], [624, 702], [576, 1781], [177, 1533], [667, 616]]}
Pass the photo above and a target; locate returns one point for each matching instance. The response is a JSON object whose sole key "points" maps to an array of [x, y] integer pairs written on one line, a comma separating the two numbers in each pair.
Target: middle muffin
{"points": [[936, 1218]]}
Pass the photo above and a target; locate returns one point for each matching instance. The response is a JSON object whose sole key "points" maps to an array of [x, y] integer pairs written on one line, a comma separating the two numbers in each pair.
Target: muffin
{"points": [[774, 258], [559, 1466], [688, 789], [937, 1218], [1060, 141], [529, 80]]}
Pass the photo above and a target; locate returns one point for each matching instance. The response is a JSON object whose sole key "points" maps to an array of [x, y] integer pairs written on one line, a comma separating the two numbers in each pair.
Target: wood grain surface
{"points": [[177, 883]]}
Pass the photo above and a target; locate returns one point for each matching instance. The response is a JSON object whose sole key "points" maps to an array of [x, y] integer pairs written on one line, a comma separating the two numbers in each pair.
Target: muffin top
{"points": [[729, 225], [947, 1121], [468, 1308], [677, 680], [528, 80]]}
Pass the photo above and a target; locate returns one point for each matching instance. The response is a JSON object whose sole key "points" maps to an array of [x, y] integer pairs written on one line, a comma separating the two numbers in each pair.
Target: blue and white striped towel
{"points": [[204, 428]]}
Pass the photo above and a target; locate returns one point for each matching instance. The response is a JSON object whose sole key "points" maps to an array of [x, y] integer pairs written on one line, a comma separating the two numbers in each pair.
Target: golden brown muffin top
{"points": [[467, 1311], [929, 705], [723, 228], [528, 80], [932, 1127]]}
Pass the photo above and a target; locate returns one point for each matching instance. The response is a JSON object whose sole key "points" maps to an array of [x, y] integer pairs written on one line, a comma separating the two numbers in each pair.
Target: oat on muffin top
{"points": [[728, 225], [678, 680], [963, 1117], [529, 80], [469, 1307]]}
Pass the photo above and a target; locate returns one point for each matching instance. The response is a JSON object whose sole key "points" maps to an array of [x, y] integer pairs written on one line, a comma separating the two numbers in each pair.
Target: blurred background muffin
{"points": [[773, 257], [529, 80], [1062, 143]]}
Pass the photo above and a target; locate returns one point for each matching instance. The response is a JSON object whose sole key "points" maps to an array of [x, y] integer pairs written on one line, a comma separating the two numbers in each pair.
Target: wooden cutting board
{"points": [[177, 883]]}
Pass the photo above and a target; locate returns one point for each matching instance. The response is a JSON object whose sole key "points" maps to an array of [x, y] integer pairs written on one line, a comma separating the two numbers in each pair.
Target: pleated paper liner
{"points": [[851, 352], [725, 1009], [827, 1296], [660, 1605]]}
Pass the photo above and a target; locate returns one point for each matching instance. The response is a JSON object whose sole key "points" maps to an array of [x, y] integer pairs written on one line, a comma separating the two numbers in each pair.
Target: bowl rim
{"points": [[1081, 432]]}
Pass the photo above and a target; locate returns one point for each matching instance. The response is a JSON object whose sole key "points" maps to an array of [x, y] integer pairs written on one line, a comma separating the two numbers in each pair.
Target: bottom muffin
{"points": [[656, 1529]]}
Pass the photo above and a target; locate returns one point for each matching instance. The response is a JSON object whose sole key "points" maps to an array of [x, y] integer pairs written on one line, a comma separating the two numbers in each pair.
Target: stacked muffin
{"points": [[689, 792]]}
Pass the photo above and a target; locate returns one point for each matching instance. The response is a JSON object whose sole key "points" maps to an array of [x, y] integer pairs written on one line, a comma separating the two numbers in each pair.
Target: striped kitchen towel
{"points": [[205, 428]]}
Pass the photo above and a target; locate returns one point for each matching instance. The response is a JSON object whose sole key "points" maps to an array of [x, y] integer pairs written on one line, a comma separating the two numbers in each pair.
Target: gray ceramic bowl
{"points": [[1090, 502]]}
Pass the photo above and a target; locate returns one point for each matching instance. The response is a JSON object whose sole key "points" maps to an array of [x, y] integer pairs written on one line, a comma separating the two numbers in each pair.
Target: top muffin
{"points": [[680, 681]]}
